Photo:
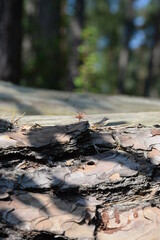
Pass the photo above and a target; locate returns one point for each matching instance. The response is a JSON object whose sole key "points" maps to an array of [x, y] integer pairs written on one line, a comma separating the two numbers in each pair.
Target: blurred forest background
{"points": [[105, 46]]}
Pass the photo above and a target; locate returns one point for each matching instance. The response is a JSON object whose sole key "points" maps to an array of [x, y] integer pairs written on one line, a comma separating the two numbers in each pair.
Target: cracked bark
{"points": [[79, 181]]}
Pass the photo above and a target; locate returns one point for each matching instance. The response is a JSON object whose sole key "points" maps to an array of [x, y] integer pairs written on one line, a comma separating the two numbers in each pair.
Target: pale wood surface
{"points": [[46, 102], [115, 119]]}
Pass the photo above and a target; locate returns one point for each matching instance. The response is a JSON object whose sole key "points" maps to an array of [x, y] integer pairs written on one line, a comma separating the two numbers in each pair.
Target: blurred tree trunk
{"points": [[124, 54], [154, 60], [10, 40], [76, 26], [51, 51]]}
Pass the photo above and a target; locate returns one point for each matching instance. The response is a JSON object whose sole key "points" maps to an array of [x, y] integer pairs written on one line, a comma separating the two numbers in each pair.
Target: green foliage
{"points": [[98, 71], [102, 41], [88, 70]]}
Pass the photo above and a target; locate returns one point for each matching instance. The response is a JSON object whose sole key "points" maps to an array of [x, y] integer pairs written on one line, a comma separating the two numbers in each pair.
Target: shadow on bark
{"points": [[65, 172]]}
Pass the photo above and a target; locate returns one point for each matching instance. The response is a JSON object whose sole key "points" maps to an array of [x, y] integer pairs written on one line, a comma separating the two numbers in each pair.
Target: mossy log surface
{"points": [[94, 179]]}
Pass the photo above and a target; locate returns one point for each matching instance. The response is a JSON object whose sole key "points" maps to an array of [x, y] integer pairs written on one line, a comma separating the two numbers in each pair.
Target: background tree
{"points": [[106, 46], [50, 43], [76, 25], [10, 40], [154, 58], [47, 64], [128, 29]]}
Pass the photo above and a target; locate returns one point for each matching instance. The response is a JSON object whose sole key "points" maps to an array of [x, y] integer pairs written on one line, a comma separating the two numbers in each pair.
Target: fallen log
{"points": [[33, 101], [79, 180]]}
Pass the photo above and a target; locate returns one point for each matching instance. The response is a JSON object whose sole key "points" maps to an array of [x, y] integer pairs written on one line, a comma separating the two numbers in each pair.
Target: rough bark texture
{"points": [[10, 40], [79, 181]]}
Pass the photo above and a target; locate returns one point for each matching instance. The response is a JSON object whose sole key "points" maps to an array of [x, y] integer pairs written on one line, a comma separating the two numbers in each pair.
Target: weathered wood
{"points": [[79, 180], [46, 102]]}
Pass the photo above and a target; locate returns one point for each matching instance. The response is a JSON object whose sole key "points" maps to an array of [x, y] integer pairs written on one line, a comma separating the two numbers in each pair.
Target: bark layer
{"points": [[77, 181]]}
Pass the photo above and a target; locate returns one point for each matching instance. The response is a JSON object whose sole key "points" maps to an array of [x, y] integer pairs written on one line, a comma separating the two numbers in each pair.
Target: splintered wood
{"points": [[78, 181]]}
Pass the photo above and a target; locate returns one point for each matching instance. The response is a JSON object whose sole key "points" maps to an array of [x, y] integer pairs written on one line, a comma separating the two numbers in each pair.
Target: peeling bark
{"points": [[79, 181]]}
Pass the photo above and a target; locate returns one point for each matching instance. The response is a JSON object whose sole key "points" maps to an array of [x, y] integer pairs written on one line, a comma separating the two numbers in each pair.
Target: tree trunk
{"points": [[51, 48], [154, 60], [78, 181], [10, 40], [124, 54], [75, 39]]}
